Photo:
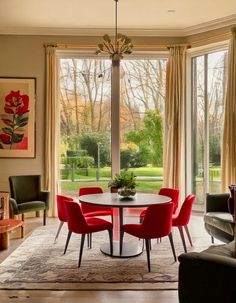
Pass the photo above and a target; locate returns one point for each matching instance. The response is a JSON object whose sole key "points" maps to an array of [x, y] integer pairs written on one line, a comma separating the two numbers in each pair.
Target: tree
{"points": [[132, 158], [149, 138], [84, 98], [90, 142]]}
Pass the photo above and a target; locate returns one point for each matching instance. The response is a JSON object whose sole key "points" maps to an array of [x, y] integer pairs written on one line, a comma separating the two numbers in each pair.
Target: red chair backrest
{"points": [[61, 207], [185, 211], [87, 208], [173, 193], [75, 218], [157, 221]]}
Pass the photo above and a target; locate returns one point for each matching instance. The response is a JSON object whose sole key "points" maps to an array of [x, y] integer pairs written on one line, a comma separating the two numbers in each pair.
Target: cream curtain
{"points": [[51, 128], [228, 162], [174, 119]]}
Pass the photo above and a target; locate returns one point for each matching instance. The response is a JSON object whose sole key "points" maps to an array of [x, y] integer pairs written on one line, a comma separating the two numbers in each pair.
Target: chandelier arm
{"points": [[108, 46], [122, 44]]}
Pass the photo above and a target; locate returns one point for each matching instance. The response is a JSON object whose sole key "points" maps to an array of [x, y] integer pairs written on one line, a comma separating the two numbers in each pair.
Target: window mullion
{"points": [[115, 117], [206, 149]]}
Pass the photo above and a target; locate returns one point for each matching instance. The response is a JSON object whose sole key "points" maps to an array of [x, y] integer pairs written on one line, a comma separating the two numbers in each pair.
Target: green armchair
{"points": [[26, 195]]}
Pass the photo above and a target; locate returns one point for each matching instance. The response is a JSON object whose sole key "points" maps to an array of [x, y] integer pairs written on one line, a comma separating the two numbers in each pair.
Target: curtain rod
{"points": [[93, 46], [195, 43]]}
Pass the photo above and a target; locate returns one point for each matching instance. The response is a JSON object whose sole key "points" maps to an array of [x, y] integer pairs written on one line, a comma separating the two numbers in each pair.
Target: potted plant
{"points": [[124, 183]]}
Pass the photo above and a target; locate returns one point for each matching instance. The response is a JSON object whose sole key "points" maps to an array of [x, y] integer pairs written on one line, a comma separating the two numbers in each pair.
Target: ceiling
{"points": [[137, 17]]}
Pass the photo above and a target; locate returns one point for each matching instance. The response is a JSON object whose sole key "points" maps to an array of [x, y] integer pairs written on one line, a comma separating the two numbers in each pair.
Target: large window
{"points": [[141, 119], [85, 121], [208, 87]]}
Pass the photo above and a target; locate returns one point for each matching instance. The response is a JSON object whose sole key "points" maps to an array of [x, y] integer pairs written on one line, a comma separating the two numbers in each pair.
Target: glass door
{"points": [[208, 88]]}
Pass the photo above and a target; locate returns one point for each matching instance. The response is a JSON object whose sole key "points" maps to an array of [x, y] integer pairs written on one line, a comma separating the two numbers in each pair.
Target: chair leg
{"points": [[89, 240], [81, 249], [112, 219], [147, 244], [44, 216], [143, 245], [172, 246], [58, 231], [22, 231], [188, 235], [212, 240], [182, 237], [67, 240], [111, 241], [121, 241], [23, 217], [141, 221]]}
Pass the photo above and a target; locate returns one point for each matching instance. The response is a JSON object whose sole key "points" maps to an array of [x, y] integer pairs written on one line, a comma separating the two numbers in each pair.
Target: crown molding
{"points": [[210, 25], [188, 31]]}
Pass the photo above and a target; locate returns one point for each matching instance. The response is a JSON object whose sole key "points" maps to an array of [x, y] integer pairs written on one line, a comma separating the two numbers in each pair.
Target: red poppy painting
{"points": [[17, 117]]}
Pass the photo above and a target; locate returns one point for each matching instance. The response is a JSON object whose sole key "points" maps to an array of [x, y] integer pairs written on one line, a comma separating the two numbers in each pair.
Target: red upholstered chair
{"points": [[61, 212], [182, 218], [93, 210], [78, 224], [157, 223], [172, 193]]}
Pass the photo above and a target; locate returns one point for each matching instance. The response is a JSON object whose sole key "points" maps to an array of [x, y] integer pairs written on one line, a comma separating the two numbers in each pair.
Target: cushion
{"points": [[222, 221], [31, 206], [224, 250]]}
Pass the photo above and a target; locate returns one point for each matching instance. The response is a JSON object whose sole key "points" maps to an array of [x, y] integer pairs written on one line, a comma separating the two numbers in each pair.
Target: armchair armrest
{"points": [[217, 202], [13, 206], [206, 277], [45, 196]]}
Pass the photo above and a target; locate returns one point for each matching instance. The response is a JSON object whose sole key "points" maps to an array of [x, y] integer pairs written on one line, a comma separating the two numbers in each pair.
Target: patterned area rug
{"points": [[38, 263]]}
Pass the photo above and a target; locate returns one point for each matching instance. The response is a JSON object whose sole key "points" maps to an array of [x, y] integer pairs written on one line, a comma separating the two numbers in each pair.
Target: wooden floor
{"points": [[44, 296]]}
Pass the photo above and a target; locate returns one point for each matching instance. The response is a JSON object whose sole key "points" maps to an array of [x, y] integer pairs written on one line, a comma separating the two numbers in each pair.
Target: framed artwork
{"points": [[17, 117]]}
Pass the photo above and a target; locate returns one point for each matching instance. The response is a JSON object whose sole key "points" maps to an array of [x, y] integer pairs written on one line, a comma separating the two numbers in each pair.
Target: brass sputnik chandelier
{"points": [[117, 48]]}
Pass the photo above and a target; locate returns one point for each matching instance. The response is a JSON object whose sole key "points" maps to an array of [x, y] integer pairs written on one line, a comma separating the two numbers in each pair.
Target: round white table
{"points": [[113, 200]]}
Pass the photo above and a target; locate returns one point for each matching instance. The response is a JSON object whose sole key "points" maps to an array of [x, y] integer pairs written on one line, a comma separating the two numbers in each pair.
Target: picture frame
{"points": [[17, 117]]}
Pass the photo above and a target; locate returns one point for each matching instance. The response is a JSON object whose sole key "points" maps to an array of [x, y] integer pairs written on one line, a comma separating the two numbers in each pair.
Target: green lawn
{"points": [[105, 172], [71, 188]]}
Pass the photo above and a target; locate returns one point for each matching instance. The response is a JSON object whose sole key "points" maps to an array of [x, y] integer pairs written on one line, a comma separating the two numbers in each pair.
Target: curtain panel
{"points": [[51, 129], [228, 159], [174, 133]]}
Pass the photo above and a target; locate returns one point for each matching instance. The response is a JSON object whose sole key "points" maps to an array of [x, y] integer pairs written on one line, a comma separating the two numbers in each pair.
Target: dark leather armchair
{"points": [[26, 195]]}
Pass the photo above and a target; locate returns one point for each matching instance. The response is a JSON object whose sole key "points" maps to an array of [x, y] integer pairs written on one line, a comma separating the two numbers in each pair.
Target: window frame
{"points": [[90, 54], [189, 132]]}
